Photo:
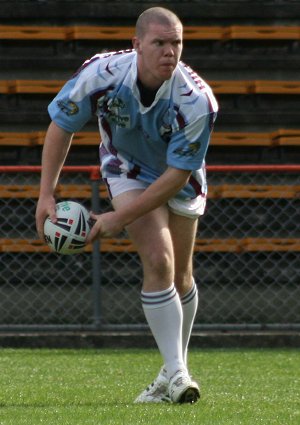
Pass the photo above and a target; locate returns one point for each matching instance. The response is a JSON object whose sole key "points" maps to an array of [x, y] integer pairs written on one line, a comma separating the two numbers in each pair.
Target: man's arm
{"points": [[56, 147], [157, 194]]}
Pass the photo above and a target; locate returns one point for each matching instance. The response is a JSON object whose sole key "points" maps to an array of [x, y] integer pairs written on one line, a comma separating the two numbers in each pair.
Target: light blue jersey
{"points": [[137, 141]]}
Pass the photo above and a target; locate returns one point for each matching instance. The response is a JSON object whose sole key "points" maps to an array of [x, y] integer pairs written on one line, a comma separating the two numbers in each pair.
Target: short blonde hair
{"points": [[158, 15]]}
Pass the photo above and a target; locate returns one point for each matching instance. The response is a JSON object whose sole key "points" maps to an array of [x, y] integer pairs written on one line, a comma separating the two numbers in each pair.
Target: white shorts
{"points": [[191, 208]]}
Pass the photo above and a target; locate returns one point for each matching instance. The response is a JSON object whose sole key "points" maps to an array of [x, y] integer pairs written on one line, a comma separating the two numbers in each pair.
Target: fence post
{"points": [[96, 261]]}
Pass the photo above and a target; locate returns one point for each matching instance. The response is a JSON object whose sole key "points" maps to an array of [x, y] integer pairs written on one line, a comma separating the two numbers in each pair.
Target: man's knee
{"points": [[158, 262], [183, 281]]}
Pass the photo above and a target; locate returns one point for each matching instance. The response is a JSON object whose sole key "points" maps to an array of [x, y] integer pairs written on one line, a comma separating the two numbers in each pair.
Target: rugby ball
{"points": [[68, 235]]}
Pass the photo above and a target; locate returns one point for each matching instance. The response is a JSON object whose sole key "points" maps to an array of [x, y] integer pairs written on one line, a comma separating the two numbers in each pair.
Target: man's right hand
{"points": [[45, 208]]}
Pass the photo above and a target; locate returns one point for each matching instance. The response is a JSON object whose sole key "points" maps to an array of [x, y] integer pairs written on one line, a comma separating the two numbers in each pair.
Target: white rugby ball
{"points": [[68, 235]]}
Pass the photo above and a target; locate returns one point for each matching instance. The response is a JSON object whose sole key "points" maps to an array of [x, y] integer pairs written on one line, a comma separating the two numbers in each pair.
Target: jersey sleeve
{"points": [[71, 109], [187, 147]]}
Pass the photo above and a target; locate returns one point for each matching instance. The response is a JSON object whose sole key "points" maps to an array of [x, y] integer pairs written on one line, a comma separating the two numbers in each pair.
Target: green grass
{"points": [[98, 387]]}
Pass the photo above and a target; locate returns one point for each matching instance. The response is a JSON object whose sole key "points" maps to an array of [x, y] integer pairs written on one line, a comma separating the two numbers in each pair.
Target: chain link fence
{"points": [[246, 258]]}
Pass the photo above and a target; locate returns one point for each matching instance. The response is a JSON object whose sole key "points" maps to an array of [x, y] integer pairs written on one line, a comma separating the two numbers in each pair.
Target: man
{"points": [[155, 119]]}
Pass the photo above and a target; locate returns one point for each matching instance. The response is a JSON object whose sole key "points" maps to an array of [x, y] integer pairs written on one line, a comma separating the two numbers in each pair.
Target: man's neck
{"points": [[147, 94]]}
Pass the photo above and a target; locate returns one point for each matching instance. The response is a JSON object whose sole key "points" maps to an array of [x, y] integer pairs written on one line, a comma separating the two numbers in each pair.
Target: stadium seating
{"points": [[232, 47], [247, 248], [252, 68]]}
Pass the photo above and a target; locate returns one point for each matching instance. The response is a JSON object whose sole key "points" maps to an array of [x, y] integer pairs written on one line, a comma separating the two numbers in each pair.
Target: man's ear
{"points": [[136, 44]]}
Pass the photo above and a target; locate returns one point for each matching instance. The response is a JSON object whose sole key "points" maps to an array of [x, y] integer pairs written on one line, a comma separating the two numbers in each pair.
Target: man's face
{"points": [[159, 51]]}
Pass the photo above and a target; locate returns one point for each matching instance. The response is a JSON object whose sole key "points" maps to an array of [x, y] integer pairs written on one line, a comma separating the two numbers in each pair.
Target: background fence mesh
{"points": [[238, 285]]}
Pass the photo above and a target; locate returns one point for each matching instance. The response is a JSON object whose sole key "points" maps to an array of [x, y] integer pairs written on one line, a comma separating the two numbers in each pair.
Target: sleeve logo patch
{"points": [[190, 150], [68, 107]]}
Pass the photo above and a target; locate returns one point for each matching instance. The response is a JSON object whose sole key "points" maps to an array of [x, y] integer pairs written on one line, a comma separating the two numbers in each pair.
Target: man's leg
{"points": [[161, 303], [189, 304], [183, 231]]}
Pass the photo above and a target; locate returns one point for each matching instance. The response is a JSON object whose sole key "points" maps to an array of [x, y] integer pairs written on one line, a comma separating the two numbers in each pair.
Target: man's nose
{"points": [[169, 50]]}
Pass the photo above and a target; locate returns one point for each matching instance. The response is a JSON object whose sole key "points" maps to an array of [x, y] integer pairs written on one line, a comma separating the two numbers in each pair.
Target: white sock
{"points": [[189, 304], [164, 315]]}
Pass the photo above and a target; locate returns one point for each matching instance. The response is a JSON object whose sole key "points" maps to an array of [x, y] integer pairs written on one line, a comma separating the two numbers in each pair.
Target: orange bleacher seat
{"points": [[16, 139], [4, 87], [35, 86], [280, 137], [232, 87], [240, 139], [201, 245], [254, 32], [82, 191], [204, 33], [23, 245], [90, 32], [247, 245], [217, 245], [257, 87], [285, 137], [36, 245], [258, 191], [277, 87], [271, 244], [93, 32], [92, 138], [219, 87], [215, 191], [126, 33], [64, 191], [86, 138], [19, 191], [32, 32], [288, 137], [82, 138]]}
